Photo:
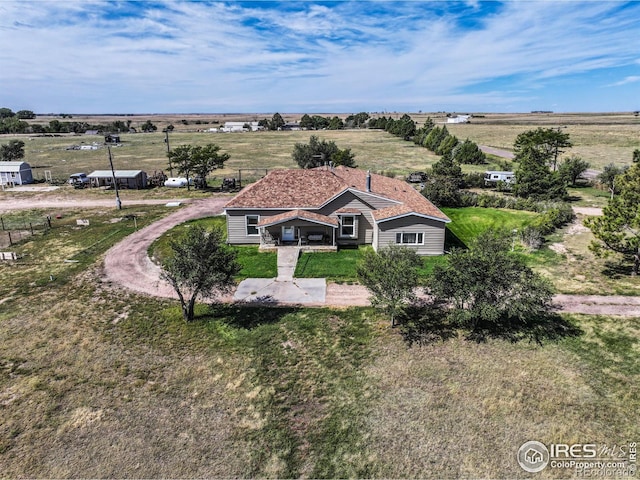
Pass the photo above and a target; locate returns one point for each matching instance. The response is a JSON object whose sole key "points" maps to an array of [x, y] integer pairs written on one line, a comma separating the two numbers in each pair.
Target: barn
{"points": [[15, 173], [132, 179]]}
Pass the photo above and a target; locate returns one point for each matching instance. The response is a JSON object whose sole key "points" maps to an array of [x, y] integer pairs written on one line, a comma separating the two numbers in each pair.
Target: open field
{"points": [[598, 138], [96, 381]]}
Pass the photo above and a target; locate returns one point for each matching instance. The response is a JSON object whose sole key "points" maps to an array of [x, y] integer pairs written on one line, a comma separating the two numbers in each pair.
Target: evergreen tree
{"points": [[468, 152], [535, 180], [277, 122], [548, 142], [618, 229]]}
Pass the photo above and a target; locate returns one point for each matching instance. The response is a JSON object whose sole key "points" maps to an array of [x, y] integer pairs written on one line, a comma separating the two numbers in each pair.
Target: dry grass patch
{"points": [[462, 409], [79, 403], [574, 269]]}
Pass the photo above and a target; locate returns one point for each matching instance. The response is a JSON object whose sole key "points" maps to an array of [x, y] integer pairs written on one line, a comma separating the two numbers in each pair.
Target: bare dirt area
{"points": [[128, 263], [56, 202]]}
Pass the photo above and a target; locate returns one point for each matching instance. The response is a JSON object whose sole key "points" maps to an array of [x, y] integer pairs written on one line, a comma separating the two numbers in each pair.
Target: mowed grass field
{"points": [[98, 382], [598, 138]]}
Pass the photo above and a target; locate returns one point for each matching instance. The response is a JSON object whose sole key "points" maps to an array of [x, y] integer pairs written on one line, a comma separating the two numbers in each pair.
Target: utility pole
{"points": [[166, 140], [115, 181]]}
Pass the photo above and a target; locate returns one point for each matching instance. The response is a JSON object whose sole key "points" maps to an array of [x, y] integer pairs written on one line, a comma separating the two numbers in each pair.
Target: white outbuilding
{"points": [[15, 173]]}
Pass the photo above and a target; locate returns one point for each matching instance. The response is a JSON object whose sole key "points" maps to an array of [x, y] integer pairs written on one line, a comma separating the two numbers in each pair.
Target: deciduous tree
{"points": [[200, 265], [317, 152], [391, 276], [489, 287], [197, 160], [25, 115], [572, 168], [12, 151], [148, 127], [609, 175]]}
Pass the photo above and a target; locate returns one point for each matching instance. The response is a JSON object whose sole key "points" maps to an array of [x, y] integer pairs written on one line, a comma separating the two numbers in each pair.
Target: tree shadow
{"points": [[452, 241], [616, 269], [426, 323], [249, 315], [551, 327]]}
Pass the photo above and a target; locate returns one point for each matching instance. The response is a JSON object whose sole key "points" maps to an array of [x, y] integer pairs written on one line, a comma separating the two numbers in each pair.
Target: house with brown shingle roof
{"points": [[334, 206]]}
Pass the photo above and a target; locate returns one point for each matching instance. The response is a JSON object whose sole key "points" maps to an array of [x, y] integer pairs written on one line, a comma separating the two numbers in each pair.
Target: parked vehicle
{"points": [[177, 182], [417, 177], [492, 177], [79, 180]]}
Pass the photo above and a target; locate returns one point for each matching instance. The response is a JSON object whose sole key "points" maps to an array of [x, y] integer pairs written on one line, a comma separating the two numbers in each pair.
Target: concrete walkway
{"points": [[284, 289], [287, 261]]}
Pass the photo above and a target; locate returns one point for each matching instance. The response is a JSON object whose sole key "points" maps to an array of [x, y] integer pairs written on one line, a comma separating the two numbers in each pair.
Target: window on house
{"points": [[252, 224], [409, 238], [348, 226]]}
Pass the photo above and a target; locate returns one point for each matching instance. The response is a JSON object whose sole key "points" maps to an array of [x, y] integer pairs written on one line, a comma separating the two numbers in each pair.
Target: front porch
{"points": [[306, 230], [266, 247]]}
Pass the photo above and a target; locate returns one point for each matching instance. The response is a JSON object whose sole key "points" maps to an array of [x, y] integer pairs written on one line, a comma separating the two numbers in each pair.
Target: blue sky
{"points": [[302, 56]]}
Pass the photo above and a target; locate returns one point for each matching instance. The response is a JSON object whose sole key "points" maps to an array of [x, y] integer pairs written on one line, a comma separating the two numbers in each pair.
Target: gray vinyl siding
{"points": [[433, 232], [365, 204], [237, 227]]}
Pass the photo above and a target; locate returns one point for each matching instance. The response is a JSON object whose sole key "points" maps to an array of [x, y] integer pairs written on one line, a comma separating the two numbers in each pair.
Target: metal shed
{"points": [[133, 179]]}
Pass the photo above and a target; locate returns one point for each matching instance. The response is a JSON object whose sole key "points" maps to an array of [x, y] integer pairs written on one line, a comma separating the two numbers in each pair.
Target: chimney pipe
{"points": [[368, 180]]}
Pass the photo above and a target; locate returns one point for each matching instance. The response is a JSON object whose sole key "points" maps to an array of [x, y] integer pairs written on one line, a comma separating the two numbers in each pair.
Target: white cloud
{"points": [[626, 80], [348, 55]]}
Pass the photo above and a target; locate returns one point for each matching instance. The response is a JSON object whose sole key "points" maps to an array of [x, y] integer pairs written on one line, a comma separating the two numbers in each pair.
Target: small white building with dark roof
{"points": [[15, 173]]}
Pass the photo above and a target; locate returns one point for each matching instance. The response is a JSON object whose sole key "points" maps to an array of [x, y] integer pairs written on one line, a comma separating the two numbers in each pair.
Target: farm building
{"points": [[132, 179], [240, 127], [459, 119], [334, 206], [15, 173], [291, 126]]}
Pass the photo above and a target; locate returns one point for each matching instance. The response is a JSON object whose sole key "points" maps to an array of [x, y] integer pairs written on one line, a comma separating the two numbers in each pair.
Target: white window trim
{"points": [[354, 226], [246, 225], [417, 234]]}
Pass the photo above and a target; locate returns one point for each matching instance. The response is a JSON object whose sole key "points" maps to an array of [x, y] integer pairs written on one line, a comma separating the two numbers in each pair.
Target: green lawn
{"points": [[254, 264], [337, 266], [468, 222]]}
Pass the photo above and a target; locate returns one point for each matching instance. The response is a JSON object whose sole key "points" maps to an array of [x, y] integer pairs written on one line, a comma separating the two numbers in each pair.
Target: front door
{"points": [[288, 234]]}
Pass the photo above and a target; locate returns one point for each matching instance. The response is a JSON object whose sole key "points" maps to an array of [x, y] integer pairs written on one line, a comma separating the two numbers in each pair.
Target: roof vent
{"points": [[368, 180]]}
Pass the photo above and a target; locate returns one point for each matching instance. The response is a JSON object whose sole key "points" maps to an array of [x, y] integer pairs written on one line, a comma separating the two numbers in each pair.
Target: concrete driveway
{"points": [[285, 289], [272, 290]]}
